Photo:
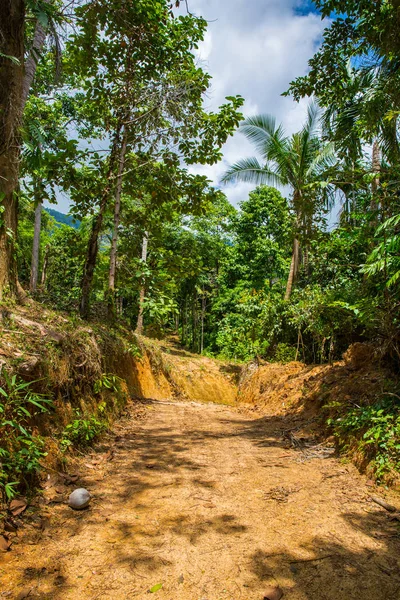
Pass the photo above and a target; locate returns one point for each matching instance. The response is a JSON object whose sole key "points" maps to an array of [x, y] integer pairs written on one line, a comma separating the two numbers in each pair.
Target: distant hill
{"points": [[64, 219]]}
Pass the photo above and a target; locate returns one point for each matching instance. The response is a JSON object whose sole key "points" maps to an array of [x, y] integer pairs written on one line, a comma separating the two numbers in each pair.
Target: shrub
{"points": [[284, 353], [20, 449], [108, 381], [375, 432], [82, 432]]}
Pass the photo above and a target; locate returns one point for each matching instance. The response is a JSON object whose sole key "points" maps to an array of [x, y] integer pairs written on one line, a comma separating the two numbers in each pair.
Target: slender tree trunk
{"points": [[203, 312], [114, 241], [12, 19], [195, 346], [376, 168], [39, 39], [93, 245], [45, 265], [142, 292], [294, 267], [306, 251], [35, 248]]}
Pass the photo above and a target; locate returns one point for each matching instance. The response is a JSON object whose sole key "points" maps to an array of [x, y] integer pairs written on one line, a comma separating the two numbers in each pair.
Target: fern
{"points": [[385, 258]]}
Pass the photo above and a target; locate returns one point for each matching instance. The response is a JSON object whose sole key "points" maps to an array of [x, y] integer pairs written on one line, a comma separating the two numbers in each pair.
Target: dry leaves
{"points": [[280, 493], [17, 506], [5, 543]]}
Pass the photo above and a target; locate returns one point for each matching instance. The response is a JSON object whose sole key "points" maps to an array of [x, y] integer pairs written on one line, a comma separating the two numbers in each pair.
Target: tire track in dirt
{"points": [[211, 504]]}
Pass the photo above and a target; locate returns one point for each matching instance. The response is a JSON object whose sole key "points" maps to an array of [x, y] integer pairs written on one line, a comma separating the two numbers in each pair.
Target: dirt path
{"points": [[213, 506]]}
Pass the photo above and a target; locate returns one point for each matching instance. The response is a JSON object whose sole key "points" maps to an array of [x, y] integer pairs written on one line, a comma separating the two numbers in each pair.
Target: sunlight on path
{"points": [[203, 503]]}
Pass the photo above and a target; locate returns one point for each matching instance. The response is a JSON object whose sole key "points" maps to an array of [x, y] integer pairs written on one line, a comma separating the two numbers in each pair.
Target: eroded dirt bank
{"points": [[212, 504]]}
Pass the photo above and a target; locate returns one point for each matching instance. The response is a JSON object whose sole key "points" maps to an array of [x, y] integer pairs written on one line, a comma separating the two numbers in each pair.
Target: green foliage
{"points": [[321, 322], [284, 353], [65, 257], [107, 382], [373, 430], [385, 257], [214, 275], [21, 449], [252, 325], [134, 350], [82, 432], [263, 235]]}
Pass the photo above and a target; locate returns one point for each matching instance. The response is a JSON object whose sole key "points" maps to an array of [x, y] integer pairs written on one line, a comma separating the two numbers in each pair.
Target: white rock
{"points": [[79, 499]]}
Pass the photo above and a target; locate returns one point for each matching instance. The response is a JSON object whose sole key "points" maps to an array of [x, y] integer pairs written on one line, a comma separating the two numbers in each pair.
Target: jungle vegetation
{"points": [[102, 102]]}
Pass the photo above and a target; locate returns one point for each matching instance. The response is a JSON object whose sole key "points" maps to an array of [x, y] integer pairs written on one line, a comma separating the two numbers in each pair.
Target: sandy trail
{"points": [[186, 502]]}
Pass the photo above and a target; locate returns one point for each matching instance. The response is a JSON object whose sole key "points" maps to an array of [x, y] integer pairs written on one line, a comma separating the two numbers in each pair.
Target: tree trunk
{"points": [[203, 312], [376, 168], [142, 292], [12, 19], [294, 267], [45, 265], [15, 82], [39, 39], [114, 241], [93, 245], [35, 248]]}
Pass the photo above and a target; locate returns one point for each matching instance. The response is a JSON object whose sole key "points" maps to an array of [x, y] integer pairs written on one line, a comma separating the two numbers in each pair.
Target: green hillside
{"points": [[62, 218]]}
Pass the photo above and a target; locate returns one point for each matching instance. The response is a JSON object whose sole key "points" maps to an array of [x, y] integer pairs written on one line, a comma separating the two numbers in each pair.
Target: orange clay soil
{"points": [[213, 504]]}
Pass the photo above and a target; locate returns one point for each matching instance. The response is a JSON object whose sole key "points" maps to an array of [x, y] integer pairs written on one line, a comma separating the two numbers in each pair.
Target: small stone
{"points": [[79, 499], [273, 593]]}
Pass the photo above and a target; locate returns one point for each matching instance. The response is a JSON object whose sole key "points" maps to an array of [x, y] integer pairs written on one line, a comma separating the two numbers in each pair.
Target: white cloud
{"points": [[255, 49]]}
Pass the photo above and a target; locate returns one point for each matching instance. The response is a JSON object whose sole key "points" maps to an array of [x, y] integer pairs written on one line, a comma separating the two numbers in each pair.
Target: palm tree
{"points": [[298, 161], [365, 112]]}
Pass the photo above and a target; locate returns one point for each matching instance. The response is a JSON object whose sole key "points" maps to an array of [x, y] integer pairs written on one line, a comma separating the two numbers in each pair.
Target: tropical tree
{"points": [[144, 91], [20, 49], [299, 161]]}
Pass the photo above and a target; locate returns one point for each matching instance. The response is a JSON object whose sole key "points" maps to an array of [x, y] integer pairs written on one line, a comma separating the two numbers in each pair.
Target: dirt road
{"points": [[212, 505]]}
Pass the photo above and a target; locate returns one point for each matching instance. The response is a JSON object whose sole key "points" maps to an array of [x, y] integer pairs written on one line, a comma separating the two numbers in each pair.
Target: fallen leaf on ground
{"points": [[9, 526], [69, 478], [5, 543], [17, 506], [155, 588]]}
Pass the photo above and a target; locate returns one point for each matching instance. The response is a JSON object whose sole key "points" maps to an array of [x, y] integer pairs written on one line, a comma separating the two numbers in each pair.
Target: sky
{"points": [[255, 48]]}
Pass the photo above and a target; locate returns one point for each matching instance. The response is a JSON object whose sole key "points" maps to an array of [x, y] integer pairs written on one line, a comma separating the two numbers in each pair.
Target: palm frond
{"points": [[322, 160], [259, 131], [313, 118], [249, 170]]}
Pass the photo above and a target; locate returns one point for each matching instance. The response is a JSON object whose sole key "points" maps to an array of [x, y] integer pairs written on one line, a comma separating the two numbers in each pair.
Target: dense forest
{"points": [[110, 113], [103, 103]]}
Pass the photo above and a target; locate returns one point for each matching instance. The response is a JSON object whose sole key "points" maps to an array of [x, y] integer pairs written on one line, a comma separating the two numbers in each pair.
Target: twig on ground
{"points": [[301, 560], [383, 504]]}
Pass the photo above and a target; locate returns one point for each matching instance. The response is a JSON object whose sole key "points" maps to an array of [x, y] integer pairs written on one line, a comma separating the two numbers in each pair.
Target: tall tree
{"points": [[16, 78], [136, 59], [298, 161], [12, 29]]}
